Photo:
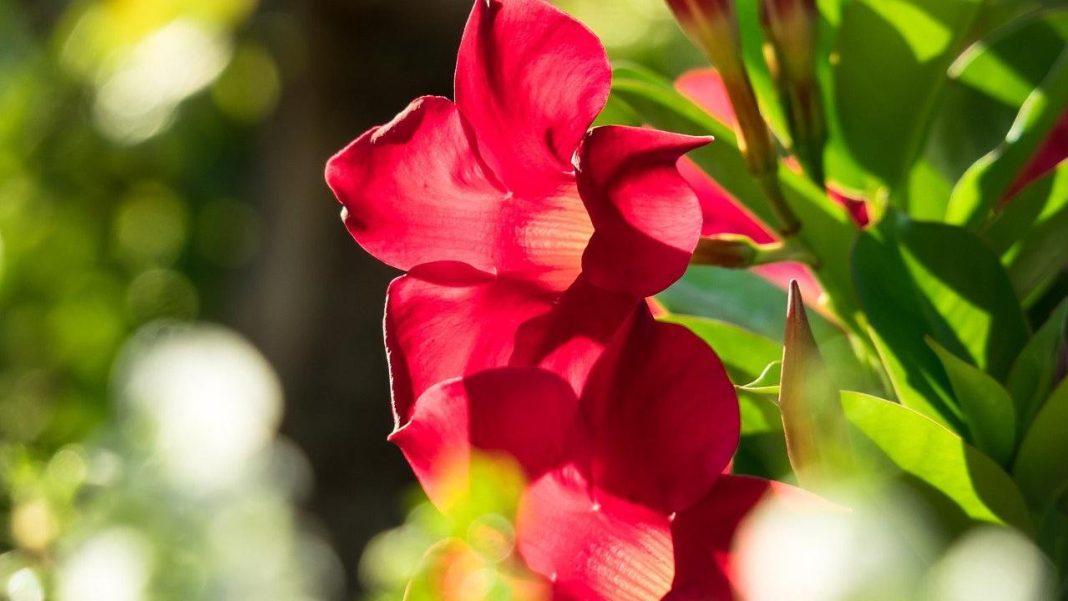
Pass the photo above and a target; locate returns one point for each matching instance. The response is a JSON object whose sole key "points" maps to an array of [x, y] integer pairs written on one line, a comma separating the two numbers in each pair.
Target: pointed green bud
{"points": [[817, 434]]}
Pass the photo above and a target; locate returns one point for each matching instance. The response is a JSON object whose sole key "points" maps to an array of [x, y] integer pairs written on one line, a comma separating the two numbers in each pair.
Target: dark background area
{"points": [[312, 301]]}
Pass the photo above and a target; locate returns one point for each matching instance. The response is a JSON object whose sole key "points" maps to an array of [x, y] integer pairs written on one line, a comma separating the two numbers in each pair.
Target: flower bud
{"points": [[791, 27], [725, 250], [713, 27], [735, 251]]}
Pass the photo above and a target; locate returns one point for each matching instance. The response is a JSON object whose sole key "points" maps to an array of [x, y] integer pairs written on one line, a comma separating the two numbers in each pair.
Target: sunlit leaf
{"points": [[1032, 373], [889, 77], [918, 279], [1042, 464], [988, 85], [986, 406], [960, 483]]}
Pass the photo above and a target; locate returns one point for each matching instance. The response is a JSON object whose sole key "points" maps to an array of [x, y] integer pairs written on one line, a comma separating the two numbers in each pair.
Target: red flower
{"points": [[524, 234], [626, 498]]}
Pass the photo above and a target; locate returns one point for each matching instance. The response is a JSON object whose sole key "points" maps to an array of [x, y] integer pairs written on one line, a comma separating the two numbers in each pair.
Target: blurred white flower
{"points": [[111, 566], [992, 564], [24, 585], [871, 551], [212, 400]]}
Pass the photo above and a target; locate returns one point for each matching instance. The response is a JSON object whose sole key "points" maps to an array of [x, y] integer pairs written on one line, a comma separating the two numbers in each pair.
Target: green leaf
{"points": [[990, 177], [987, 407], [958, 481], [918, 279], [816, 436], [1031, 376], [890, 75], [1042, 463], [1032, 230], [735, 296]]}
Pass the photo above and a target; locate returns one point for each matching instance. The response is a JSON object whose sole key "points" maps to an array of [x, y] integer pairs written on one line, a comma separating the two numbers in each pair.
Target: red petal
{"points": [[530, 79], [646, 218], [612, 551], [448, 320], [706, 89], [703, 536], [414, 191], [721, 214], [856, 207], [570, 338], [529, 414], [663, 414]]}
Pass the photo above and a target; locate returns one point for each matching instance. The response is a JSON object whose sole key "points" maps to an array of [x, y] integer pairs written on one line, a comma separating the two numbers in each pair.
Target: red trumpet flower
{"points": [[626, 498], [526, 237]]}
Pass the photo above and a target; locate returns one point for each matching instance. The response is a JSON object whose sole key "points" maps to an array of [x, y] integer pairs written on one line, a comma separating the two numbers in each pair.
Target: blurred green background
{"points": [[161, 170]]}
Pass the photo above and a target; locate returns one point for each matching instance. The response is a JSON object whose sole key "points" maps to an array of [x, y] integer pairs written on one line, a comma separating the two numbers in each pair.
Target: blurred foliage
{"points": [[464, 551], [124, 129]]}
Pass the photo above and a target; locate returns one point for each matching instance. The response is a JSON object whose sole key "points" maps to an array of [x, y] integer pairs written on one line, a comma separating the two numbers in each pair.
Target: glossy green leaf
{"points": [[841, 171], [928, 192], [985, 182], [918, 279], [1032, 231], [1031, 376], [1042, 463], [986, 406], [735, 296], [959, 482], [816, 435], [890, 74]]}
